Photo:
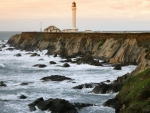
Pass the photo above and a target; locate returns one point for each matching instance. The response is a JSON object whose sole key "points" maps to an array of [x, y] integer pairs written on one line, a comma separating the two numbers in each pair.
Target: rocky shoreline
{"points": [[116, 49]]}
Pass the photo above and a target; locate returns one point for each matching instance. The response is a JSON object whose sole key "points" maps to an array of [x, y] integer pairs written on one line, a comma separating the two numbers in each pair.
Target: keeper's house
{"points": [[52, 29]]}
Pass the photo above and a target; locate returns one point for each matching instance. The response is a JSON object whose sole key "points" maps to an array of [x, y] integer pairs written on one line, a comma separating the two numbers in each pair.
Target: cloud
{"points": [[85, 8]]}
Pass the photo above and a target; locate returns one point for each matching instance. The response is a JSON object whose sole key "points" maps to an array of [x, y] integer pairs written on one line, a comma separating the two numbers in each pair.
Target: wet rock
{"points": [[36, 101], [44, 104], [73, 61], [54, 105], [110, 103], [2, 84], [117, 67], [24, 84], [96, 63], [35, 54], [33, 104], [32, 107], [88, 59], [86, 85], [52, 62], [10, 49], [122, 79], [3, 46], [55, 55], [41, 59], [107, 88], [68, 60], [55, 78], [22, 97], [81, 105], [40, 65], [18, 55], [66, 65], [29, 53], [107, 81], [62, 106]]}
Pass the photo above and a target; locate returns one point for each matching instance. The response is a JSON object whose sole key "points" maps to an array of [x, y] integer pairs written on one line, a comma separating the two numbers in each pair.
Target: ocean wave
{"points": [[2, 65]]}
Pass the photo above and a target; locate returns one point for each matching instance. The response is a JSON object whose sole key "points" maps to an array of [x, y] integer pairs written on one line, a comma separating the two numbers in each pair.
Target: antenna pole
{"points": [[41, 26]]}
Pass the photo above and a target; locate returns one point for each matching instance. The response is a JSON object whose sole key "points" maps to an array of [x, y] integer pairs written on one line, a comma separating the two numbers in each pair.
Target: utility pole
{"points": [[41, 26]]}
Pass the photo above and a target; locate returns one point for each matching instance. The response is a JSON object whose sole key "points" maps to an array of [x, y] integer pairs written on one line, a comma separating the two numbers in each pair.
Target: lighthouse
{"points": [[74, 16], [73, 29]]}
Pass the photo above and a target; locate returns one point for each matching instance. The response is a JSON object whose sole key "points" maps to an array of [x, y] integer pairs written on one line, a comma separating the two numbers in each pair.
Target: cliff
{"points": [[123, 48], [73, 42]]}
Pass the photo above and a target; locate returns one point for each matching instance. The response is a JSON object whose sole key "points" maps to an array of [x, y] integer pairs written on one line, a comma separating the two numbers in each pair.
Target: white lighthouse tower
{"points": [[74, 17]]}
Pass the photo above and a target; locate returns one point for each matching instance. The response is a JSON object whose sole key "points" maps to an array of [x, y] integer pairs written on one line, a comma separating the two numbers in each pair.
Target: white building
{"points": [[88, 31], [73, 29], [52, 29], [69, 30]]}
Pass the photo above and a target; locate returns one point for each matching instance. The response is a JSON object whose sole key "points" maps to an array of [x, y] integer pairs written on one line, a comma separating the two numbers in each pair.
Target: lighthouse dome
{"points": [[73, 4]]}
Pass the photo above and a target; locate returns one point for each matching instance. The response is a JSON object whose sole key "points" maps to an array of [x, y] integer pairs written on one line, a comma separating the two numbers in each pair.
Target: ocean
{"points": [[16, 70]]}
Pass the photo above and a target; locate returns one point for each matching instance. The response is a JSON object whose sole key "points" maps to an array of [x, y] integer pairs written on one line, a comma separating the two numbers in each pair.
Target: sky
{"points": [[96, 15]]}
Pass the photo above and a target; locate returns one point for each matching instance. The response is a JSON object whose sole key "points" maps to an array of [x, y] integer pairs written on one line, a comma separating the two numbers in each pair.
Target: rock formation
{"points": [[55, 78], [57, 105], [86, 85], [2, 84], [39, 65], [103, 88]]}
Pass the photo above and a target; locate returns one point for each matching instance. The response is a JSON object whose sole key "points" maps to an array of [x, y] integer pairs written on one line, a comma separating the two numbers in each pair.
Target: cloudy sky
{"points": [[98, 15]]}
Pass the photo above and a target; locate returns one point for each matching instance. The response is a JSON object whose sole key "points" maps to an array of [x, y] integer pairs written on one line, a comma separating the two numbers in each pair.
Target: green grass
{"points": [[135, 94]]}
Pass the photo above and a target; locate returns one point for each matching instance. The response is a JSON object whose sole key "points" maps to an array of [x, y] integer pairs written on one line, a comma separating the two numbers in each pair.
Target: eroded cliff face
{"points": [[123, 48], [73, 43]]}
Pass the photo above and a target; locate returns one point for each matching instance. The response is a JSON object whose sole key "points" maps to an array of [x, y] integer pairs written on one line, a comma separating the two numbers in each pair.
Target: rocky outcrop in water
{"points": [[88, 59], [2, 84], [55, 78], [24, 84], [65, 65], [110, 103], [54, 105], [57, 105], [52, 62], [103, 88], [117, 67], [86, 85], [121, 79], [34, 54], [10, 49], [40, 65], [22, 97], [18, 55]]}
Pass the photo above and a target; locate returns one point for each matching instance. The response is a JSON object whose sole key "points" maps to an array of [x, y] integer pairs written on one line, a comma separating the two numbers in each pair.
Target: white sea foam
{"points": [[2, 65], [8, 97]]}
